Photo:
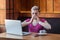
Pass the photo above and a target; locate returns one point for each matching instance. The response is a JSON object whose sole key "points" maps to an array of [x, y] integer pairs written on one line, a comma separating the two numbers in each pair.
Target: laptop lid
{"points": [[13, 27]]}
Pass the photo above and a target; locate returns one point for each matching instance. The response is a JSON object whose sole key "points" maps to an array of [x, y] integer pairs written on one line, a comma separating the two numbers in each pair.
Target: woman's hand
{"points": [[31, 20], [37, 18], [26, 23], [45, 24]]}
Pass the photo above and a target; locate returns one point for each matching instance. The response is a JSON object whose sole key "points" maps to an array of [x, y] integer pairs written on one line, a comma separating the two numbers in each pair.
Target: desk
{"points": [[4, 36]]}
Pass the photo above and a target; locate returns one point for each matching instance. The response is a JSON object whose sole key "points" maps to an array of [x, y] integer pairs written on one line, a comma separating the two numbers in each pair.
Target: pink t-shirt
{"points": [[36, 28]]}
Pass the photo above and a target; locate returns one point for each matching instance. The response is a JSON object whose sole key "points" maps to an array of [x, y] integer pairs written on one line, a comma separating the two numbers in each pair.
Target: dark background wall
{"points": [[55, 24]]}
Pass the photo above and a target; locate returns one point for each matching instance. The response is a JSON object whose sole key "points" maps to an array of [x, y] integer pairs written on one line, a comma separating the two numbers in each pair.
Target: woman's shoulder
{"points": [[42, 19], [27, 20]]}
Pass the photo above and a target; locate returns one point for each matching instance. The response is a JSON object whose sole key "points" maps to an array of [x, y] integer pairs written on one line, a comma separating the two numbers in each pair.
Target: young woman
{"points": [[35, 24]]}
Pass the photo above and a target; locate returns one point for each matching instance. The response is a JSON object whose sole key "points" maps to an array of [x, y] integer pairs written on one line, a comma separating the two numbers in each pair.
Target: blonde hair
{"points": [[35, 8]]}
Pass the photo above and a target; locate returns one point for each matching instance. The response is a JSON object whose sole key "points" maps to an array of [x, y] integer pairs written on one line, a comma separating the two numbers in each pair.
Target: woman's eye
{"points": [[33, 13]]}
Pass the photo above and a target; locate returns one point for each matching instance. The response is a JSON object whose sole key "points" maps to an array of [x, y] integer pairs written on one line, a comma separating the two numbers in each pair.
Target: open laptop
{"points": [[14, 27]]}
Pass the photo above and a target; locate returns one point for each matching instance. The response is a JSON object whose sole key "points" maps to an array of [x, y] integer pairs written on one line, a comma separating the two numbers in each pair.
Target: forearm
{"points": [[45, 25], [24, 24]]}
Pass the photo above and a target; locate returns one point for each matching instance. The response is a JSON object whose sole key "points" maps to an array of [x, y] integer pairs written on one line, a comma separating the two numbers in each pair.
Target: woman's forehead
{"points": [[34, 11]]}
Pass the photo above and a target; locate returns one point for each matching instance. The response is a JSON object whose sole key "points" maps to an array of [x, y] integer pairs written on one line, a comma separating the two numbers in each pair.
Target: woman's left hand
{"points": [[38, 19]]}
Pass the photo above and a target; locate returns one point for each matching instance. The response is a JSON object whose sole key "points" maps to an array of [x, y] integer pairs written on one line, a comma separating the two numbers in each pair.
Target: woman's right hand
{"points": [[31, 20], [26, 23]]}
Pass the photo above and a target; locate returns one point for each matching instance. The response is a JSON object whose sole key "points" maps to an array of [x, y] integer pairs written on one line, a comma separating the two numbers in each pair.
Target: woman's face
{"points": [[35, 13]]}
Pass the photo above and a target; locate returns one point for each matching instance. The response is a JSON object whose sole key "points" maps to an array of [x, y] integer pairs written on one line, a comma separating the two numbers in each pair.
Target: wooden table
{"points": [[4, 36]]}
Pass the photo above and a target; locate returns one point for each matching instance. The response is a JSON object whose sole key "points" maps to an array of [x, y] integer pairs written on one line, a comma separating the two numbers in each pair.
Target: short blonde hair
{"points": [[35, 8]]}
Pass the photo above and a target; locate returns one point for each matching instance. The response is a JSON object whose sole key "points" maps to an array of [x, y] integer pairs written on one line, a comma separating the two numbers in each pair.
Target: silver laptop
{"points": [[14, 27]]}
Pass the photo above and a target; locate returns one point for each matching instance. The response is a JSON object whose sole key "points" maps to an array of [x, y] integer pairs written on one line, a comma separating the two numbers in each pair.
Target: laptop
{"points": [[14, 27]]}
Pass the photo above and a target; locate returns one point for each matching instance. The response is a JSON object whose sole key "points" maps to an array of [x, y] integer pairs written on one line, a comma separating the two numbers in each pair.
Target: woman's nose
{"points": [[35, 13]]}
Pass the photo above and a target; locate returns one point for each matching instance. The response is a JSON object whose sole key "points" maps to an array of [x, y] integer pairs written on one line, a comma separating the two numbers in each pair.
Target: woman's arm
{"points": [[26, 23], [45, 24]]}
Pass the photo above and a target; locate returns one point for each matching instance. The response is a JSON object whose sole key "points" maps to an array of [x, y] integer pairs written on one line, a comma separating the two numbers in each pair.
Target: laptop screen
{"points": [[13, 27]]}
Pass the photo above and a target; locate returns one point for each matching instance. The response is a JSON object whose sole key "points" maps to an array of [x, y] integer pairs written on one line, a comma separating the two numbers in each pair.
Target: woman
{"points": [[35, 24]]}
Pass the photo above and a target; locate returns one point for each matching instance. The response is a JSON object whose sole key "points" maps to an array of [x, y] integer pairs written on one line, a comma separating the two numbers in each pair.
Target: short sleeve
{"points": [[43, 20], [27, 20]]}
